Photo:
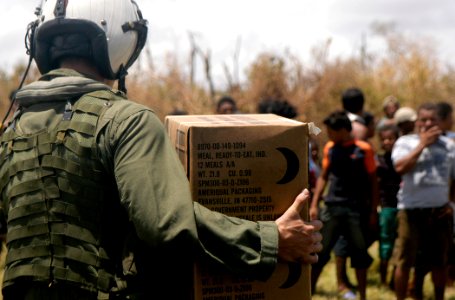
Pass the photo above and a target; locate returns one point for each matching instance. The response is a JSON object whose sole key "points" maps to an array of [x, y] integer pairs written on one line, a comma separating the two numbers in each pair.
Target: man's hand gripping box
{"points": [[249, 166]]}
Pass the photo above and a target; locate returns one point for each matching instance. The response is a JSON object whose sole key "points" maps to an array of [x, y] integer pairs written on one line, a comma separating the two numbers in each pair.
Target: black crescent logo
{"points": [[295, 270], [292, 165]]}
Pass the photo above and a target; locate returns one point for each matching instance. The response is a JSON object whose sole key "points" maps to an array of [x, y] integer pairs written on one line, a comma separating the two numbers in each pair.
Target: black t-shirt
{"points": [[389, 181], [349, 166]]}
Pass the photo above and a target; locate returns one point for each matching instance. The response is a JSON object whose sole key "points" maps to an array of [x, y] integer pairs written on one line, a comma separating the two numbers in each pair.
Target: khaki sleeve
{"points": [[242, 246], [154, 189]]}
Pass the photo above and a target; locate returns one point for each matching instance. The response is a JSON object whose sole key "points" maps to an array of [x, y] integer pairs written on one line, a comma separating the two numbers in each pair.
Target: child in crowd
{"points": [[350, 169], [389, 184]]}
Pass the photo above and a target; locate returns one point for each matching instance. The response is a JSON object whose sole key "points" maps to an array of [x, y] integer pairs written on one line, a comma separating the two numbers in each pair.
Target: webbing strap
{"points": [[52, 206], [75, 232], [83, 193], [20, 166], [34, 270], [46, 185], [68, 230], [102, 280], [43, 149], [63, 252], [71, 167], [27, 143], [72, 210], [74, 146], [67, 209], [26, 187], [24, 144], [62, 126], [80, 255], [8, 136], [27, 252], [3, 152], [27, 231], [83, 127], [26, 210], [23, 165], [105, 95], [90, 107], [83, 203]]}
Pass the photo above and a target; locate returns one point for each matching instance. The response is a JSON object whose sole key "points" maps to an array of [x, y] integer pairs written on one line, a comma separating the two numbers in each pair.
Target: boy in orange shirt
{"points": [[350, 170]]}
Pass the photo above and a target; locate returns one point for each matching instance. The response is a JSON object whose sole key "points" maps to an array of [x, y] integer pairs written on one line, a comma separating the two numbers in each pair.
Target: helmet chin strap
{"points": [[122, 79]]}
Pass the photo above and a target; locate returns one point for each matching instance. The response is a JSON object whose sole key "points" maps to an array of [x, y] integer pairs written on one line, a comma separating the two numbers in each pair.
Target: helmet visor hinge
{"points": [[60, 8], [134, 26]]}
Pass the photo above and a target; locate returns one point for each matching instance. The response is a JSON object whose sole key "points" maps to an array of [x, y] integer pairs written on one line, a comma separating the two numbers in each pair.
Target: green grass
{"points": [[326, 287]]}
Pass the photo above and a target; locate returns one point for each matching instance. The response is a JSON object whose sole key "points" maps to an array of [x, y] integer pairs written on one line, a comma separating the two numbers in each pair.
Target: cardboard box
{"points": [[250, 166]]}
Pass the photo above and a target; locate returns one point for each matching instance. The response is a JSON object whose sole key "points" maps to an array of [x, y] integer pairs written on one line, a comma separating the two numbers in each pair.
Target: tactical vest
{"points": [[62, 210]]}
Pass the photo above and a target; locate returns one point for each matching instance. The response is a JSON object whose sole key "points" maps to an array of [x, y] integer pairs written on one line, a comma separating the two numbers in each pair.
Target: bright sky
{"points": [[260, 25]]}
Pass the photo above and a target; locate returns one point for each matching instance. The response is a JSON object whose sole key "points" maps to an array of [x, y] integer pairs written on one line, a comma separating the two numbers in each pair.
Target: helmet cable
{"points": [[29, 36]]}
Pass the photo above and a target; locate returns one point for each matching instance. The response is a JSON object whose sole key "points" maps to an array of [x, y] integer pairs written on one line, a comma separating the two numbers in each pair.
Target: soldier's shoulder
{"points": [[118, 106]]}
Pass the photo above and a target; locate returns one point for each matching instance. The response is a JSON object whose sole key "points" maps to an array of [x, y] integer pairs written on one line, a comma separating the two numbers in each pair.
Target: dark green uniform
{"points": [[97, 202]]}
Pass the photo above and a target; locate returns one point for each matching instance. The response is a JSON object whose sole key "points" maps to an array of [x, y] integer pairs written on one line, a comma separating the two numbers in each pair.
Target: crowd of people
{"points": [[399, 193], [397, 190]]}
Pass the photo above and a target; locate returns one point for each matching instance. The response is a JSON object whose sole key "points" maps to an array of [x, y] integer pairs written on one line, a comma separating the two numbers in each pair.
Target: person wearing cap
{"points": [[97, 203], [389, 106], [405, 118], [426, 161]]}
